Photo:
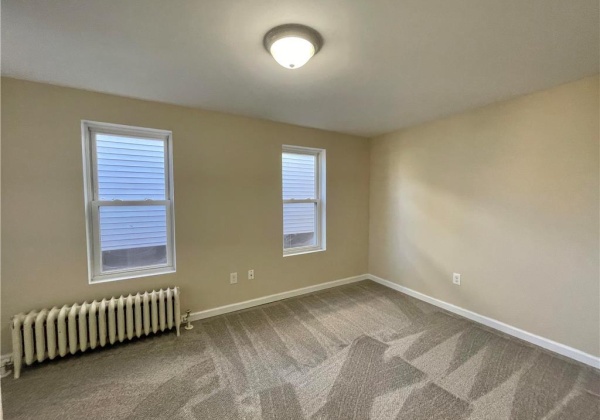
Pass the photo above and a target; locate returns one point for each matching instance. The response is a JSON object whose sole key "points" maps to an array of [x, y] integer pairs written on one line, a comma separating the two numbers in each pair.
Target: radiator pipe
{"points": [[187, 321]]}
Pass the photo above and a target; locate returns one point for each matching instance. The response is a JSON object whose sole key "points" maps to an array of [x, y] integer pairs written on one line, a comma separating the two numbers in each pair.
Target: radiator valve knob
{"points": [[188, 325]]}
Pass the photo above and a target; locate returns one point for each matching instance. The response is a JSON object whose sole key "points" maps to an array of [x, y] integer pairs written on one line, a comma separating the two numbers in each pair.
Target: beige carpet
{"points": [[360, 351]]}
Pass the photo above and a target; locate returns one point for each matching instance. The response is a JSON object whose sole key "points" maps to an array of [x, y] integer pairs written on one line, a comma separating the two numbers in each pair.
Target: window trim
{"points": [[89, 129], [320, 187]]}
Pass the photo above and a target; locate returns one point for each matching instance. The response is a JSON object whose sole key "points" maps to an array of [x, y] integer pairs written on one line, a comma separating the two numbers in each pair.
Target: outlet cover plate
{"points": [[456, 278]]}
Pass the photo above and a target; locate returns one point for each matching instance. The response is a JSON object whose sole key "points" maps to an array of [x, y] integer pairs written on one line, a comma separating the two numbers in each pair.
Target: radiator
{"points": [[57, 332]]}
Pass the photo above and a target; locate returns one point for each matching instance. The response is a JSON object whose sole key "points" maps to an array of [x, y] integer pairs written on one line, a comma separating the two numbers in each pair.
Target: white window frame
{"points": [[320, 188], [89, 131]]}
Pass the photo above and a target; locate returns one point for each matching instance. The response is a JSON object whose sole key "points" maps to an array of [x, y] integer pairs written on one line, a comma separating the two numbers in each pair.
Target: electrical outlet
{"points": [[232, 278], [251, 274], [456, 278]]}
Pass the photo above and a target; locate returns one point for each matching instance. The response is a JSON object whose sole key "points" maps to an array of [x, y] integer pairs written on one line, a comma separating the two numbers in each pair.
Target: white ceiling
{"points": [[386, 64]]}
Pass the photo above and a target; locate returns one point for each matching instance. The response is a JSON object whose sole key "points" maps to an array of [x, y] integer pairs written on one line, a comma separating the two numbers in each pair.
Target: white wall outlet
{"points": [[456, 278], [232, 278], [250, 274]]}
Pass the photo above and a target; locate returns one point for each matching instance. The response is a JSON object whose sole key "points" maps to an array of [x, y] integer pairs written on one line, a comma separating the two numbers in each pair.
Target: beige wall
{"points": [[506, 195], [228, 211]]}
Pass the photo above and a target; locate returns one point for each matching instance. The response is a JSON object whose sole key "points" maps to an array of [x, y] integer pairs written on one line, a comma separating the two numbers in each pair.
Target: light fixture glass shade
{"points": [[292, 44], [292, 52]]}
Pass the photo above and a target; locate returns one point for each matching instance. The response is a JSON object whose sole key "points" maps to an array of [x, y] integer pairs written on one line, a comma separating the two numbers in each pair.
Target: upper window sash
{"points": [[164, 136], [316, 154]]}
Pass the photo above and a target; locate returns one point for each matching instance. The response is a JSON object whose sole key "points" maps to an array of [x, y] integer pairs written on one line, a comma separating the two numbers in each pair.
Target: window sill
{"points": [[301, 251], [126, 275]]}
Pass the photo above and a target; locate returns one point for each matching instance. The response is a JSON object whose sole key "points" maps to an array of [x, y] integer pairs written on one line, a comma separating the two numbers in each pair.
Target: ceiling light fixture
{"points": [[292, 45]]}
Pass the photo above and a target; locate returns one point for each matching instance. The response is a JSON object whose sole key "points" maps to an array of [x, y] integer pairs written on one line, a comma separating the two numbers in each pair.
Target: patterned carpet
{"points": [[360, 351]]}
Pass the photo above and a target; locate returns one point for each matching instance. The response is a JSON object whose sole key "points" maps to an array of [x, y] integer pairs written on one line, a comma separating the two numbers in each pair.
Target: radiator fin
{"points": [[51, 342], [93, 325], [161, 310], [146, 305], [17, 340], [112, 321], [169, 309], [28, 337], [72, 327], [154, 311], [61, 327], [102, 323], [138, 315], [121, 319], [83, 327], [129, 316], [40, 335]]}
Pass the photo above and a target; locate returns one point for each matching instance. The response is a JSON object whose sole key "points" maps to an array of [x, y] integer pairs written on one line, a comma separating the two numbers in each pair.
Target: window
{"points": [[303, 179], [129, 201]]}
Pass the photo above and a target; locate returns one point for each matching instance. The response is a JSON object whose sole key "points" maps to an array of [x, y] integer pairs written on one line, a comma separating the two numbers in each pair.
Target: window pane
{"points": [[133, 236], [130, 168], [299, 225], [298, 176]]}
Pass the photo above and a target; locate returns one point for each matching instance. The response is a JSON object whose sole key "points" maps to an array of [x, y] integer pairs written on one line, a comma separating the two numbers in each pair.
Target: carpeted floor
{"points": [[360, 351]]}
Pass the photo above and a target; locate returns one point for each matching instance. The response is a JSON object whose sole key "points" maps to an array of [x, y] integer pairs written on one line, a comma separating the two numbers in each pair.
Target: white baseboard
{"points": [[546, 343], [195, 316]]}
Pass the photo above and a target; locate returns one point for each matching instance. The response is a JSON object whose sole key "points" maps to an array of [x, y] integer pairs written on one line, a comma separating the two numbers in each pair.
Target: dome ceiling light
{"points": [[292, 45]]}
